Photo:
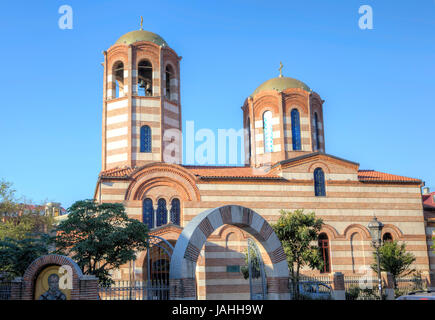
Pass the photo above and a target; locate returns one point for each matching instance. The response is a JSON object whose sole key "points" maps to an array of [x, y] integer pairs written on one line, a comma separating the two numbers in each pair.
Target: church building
{"points": [[287, 167]]}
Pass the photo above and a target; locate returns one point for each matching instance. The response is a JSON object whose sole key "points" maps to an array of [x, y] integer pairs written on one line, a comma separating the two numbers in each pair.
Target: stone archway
{"points": [[195, 234]]}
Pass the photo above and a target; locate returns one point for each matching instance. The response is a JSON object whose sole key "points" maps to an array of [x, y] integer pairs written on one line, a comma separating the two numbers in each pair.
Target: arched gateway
{"points": [[195, 234]]}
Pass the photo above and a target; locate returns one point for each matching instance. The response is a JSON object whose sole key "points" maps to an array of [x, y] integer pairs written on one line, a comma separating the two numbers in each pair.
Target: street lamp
{"points": [[375, 228]]}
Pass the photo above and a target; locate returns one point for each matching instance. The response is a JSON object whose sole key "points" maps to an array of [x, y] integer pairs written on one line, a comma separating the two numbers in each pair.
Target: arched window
{"points": [[268, 131], [162, 213], [319, 183], [387, 237], [118, 80], [148, 213], [175, 211], [145, 78], [169, 75], [145, 139], [296, 129], [324, 251], [316, 131]]}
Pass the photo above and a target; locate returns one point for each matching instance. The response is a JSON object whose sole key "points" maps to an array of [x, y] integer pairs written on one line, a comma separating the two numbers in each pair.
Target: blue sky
{"points": [[378, 84]]}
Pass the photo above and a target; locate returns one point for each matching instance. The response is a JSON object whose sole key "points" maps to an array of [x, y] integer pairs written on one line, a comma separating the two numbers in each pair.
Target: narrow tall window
{"points": [[118, 79], [296, 129], [268, 131], [316, 131], [319, 183], [169, 74], [145, 78], [175, 211], [145, 139], [249, 139], [148, 213], [162, 213], [324, 251]]}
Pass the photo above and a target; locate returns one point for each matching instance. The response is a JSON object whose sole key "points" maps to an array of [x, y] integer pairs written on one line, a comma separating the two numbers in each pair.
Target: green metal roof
{"points": [[280, 84], [141, 35]]}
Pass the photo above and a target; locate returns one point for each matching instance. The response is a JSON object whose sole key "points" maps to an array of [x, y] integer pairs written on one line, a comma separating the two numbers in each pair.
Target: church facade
{"points": [[287, 167]]}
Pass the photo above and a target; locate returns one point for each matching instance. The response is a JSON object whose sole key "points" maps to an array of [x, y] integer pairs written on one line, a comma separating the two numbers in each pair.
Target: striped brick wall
{"points": [[123, 116], [345, 205]]}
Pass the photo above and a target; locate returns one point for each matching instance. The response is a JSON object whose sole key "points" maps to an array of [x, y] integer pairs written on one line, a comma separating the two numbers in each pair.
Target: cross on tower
{"points": [[280, 69]]}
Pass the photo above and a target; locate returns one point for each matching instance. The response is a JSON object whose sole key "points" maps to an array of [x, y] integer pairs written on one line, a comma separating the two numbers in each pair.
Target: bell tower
{"points": [[141, 102], [283, 119]]}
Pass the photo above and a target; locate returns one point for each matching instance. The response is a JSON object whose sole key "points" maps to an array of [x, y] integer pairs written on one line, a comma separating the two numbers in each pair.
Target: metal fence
{"points": [[134, 290], [409, 284], [123, 290], [361, 288], [5, 290], [312, 287]]}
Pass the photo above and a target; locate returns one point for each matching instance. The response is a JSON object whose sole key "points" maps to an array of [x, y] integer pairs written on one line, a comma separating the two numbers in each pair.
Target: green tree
{"points": [[8, 204], [100, 237], [19, 219], [394, 259], [297, 231], [27, 225], [16, 255], [255, 264]]}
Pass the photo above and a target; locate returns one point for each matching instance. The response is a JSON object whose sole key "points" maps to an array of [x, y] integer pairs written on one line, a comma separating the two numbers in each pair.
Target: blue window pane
{"points": [[145, 139], [319, 183], [268, 131], [148, 213], [175, 211], [296, 129], [162, 213]]}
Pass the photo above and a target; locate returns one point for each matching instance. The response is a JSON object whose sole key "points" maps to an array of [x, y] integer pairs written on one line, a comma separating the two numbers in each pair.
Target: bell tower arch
{"points": [[141, 102]]}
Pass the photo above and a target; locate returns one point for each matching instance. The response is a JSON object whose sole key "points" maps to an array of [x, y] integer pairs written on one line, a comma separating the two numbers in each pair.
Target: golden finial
{"points": [[280, 69], [141, 23]]}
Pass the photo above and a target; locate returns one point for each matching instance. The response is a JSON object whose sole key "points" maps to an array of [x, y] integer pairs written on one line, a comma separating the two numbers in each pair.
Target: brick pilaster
{"points": [[338, 288]]}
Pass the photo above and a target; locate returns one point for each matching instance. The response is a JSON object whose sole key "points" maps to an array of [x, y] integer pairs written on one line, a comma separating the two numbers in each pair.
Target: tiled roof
{"points": [[230, 172], [217, 172], [376, 176], [429, 200], [117, 172]]}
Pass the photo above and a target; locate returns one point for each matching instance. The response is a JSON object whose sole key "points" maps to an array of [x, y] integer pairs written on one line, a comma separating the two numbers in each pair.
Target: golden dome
{"points": [[141, 35], [280, 84]]}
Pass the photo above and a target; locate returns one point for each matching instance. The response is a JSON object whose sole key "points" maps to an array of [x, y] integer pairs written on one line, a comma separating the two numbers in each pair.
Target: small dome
{"points": [[280, 84], [141, 35]]}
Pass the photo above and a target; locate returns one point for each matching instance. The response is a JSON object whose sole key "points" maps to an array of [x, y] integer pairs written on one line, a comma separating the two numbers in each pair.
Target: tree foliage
{"points": [[254, 263], [394, 259], [297, 232], [100, 237], [20, 220], [17, 254], [8, 203]]}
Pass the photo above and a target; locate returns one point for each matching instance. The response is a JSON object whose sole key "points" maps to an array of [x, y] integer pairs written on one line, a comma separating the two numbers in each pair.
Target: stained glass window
{"points": [[145, 139], [296, 129], [148, 213], [268, 131], [319, 183], [175, 211], [162, 213]]}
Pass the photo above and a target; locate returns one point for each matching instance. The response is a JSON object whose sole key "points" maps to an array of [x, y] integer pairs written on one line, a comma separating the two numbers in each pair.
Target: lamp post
{"points": [[375, 228]]}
